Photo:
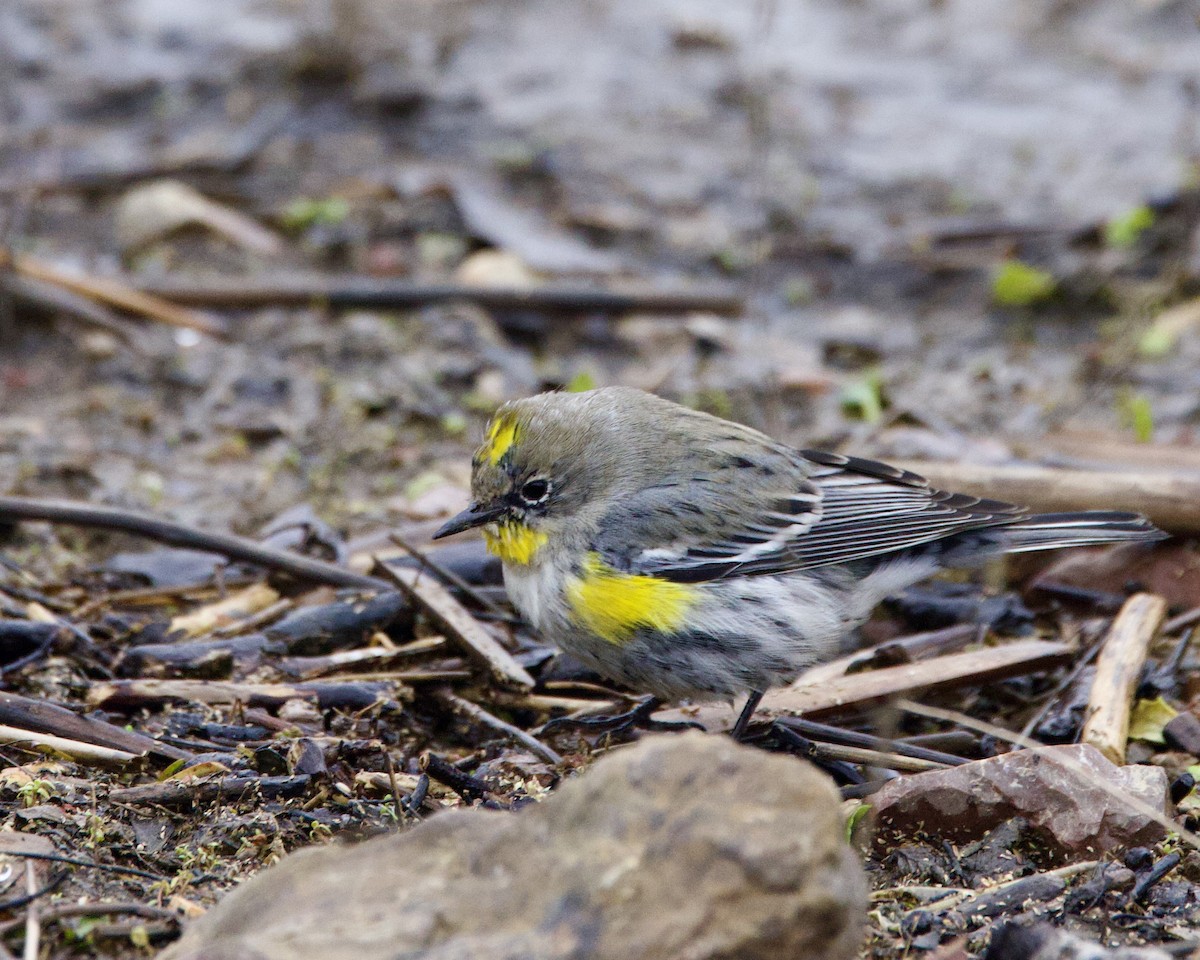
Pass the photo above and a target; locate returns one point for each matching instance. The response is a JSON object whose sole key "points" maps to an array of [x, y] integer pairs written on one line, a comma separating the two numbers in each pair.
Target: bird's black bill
{"points": [[473, 516]]}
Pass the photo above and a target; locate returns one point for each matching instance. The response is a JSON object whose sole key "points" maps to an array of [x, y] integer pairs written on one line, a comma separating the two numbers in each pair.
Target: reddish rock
{"points": [[1057, 789]]}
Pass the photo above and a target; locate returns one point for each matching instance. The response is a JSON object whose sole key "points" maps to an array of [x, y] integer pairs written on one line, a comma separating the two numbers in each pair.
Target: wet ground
{"points": [[955, 227]]}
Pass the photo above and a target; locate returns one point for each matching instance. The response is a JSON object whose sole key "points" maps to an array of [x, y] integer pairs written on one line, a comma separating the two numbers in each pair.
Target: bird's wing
{"points": [[840, 509]]}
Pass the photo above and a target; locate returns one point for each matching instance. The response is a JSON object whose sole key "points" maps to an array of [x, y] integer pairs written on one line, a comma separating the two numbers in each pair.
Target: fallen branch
{"points": [[1170, 500], [146, 693], [16, 509], [54, 299], [1118, 671], [49, 719], [458, 623], [475, 712], [845, 694], [75, 749], [115, 293], [175, 792], [370, 292]]}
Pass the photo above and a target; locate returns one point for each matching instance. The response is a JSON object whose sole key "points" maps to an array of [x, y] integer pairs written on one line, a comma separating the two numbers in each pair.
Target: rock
{"points": [[681, 846], [1057, 789], [1041, 941], [1183, 733]]}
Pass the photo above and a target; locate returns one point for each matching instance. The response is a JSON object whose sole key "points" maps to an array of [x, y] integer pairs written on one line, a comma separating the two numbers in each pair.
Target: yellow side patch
{"points": [[614, 605], [514, 543], [501, 435]]}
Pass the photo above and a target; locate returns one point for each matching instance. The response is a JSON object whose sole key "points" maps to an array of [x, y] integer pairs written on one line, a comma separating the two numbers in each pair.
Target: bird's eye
{"points": [[535, 490]]}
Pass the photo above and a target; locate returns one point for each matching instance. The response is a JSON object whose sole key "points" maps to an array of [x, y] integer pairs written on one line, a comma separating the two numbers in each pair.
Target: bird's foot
{"points": [[638, 717]]}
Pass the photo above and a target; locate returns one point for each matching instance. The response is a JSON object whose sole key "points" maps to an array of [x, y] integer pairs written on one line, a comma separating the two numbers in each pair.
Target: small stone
{"points": [[1055, 788], [685, 845], [99, 345], [1183, 733], [1041, 941]]}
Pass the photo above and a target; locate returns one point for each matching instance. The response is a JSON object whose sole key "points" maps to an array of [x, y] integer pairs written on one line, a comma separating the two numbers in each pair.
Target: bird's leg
{"points": [[743, 720], [638, 717]]}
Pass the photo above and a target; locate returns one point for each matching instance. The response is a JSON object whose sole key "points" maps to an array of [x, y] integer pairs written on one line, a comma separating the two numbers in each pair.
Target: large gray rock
{"points": [[679, 847]]}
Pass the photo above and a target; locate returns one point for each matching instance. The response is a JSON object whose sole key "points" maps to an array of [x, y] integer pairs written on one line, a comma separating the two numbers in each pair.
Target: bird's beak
{"points": [[474, 516]]}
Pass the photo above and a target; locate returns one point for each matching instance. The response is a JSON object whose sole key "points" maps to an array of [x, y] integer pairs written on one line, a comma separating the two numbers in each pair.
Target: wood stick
{"points": [[24, 713], [116, 293], [473, 711], [140, 693], [866, 756], [76, 749], [854, 692], [227, 610], [176, 792], [1170, 500], [1118, 670], [14, 509], [458, 623], [358, 291]]}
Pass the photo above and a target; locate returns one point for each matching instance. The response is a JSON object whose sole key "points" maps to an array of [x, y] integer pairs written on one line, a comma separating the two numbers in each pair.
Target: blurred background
{"points": [[947, 230]]}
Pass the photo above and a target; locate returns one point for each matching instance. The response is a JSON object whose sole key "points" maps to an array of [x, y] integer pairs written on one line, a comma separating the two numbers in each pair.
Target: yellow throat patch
{"points": [[501, 435], [614, 605], [514, 543]]}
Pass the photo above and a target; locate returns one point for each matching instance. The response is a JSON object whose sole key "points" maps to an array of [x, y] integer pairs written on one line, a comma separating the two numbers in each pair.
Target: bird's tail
{"points": [[1051, 531]]}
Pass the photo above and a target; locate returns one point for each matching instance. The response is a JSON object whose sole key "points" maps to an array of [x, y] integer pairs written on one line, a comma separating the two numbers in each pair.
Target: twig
{"points": [[1057, 692], [1118, 670], [116, 293], [175, 792], [477, 713], [328, 696], [449, 576], [14, 509], [1170, 500], [1156, 873], [33, 927], [358, 291], [229, 610], [76, 862], [458, 623], [76, 749], [851, 738], [1185, 619], [860, 755], [859, 690], [47, 718], [52, 299], [466, 786], [62, 911]]}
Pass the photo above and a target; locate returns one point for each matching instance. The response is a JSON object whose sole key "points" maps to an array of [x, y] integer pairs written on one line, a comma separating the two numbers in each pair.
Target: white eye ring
{"points": [[535, 490]]}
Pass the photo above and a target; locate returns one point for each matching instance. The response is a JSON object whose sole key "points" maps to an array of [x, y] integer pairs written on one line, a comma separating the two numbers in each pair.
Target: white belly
{"points": [[531, 588]]}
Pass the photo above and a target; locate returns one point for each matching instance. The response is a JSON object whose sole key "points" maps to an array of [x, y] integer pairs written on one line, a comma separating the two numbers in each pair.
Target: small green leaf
{"points": [[305, 212], [1156, 343], [454, 423], [864, 398], [856, 817], [1138, 414], [172, 769], [139, 936], [1148, 719], [1017, 284], [1122, 232], [581, 382]]}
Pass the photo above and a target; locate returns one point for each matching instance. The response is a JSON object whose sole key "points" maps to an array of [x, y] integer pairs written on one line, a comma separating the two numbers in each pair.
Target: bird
{"points": [[694, 558]]}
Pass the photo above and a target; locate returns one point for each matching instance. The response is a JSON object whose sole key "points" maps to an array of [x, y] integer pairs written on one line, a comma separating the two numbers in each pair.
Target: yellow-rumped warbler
{"points": [[691, 557]]}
